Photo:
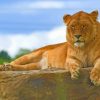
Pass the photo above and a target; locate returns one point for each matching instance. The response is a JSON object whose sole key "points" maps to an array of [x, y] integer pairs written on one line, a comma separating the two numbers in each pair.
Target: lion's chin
{"points": [[79, 44]]}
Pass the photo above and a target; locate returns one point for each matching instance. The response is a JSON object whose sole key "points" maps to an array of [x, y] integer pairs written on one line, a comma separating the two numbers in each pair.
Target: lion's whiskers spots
{"points": [[79, 44]]}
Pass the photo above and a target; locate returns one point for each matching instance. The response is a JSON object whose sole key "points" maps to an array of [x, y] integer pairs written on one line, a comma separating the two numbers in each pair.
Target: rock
{"points": [[46, 85]]}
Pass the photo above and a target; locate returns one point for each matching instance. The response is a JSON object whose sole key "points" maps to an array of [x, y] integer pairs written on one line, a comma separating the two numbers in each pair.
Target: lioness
{"points": [[81, 49]]}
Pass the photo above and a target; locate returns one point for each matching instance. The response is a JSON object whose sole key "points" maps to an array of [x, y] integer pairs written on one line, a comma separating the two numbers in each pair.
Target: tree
{"points": [[4, 57]]}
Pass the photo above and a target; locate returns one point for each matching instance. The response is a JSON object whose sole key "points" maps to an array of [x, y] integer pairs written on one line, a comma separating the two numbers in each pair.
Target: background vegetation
{"points": [[6, 58]]}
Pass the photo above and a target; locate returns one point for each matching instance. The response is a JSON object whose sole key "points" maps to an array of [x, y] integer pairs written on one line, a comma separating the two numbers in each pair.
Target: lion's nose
{"points": [[77, 36]]}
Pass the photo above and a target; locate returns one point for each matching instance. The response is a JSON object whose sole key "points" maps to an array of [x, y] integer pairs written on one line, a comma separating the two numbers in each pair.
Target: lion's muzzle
{"points": [[78, 40]]}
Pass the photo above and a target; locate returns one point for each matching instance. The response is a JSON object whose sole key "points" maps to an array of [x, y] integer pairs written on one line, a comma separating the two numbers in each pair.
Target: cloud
{"points": [[46, 5], [32, 7], [27, 7], [12, 43]]}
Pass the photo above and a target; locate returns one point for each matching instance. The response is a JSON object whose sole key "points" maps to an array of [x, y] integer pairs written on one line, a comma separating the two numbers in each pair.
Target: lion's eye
{"points": [[83, 26], [72, 26]]}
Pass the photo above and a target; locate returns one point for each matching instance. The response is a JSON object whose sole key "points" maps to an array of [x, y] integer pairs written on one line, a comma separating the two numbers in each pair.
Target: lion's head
{"points": [[81, 28]]}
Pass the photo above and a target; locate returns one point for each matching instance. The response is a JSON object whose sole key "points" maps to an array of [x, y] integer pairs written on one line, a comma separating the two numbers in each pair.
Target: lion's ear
{"points": [[66, 18], [94, 14]]}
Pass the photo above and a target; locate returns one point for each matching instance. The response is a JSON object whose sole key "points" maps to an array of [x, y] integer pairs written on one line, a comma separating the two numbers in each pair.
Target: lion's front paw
{"points": [[95, 76], [5, 67], [74, 70]]}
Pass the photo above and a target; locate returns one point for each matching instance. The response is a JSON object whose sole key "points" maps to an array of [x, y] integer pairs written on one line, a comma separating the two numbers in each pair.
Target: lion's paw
{"points": [[5, 67], [95, 76], [75, 72]]}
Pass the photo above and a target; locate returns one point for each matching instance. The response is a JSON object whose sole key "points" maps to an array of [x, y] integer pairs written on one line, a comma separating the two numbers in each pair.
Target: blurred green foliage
{"points": [[6, 58]]}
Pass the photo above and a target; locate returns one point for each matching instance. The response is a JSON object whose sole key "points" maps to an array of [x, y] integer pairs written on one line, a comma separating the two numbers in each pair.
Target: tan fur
{"points": [[73, 54], [33, 60]]}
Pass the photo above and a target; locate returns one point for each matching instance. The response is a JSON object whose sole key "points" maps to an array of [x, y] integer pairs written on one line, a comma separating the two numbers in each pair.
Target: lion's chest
{"points": [[81, 56]]}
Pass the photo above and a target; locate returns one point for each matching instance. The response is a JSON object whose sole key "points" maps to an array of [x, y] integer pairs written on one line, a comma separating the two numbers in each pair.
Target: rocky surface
{"points": [[46, 85]]}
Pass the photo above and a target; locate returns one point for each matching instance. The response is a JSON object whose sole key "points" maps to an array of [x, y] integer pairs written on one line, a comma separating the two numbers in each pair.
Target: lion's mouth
{"points": [[79, 43]]}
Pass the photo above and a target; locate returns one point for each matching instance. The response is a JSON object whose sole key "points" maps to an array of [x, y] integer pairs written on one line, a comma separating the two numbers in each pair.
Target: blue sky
{"points": [[24, 23], [24, 16]]}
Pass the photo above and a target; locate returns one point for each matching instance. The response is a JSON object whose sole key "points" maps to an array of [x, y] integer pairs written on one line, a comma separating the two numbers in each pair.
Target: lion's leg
{"points": [[42, 64], [27, 63], [29, 58], [31, 66], [95, 73], [73, 66]]}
